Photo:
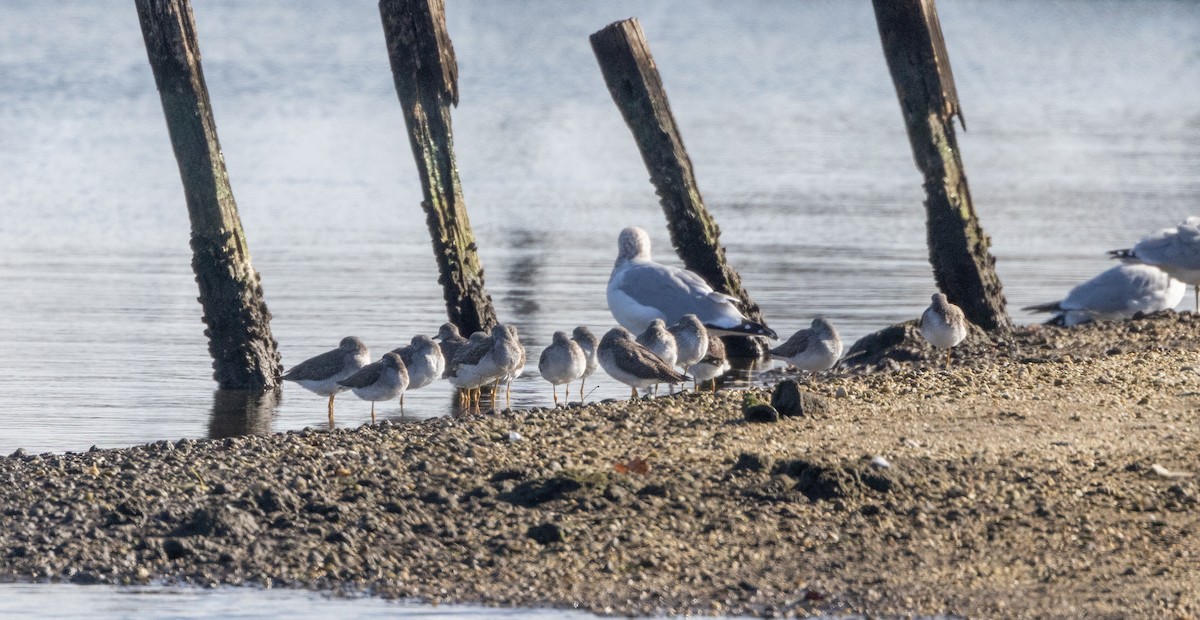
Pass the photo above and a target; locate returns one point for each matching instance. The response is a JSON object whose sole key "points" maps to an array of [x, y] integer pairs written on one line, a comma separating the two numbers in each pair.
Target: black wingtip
{"points": [[1121, 254], [746, 328]]}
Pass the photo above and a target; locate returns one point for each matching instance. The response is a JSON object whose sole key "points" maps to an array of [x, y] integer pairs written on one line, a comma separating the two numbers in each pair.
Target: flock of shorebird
{"points": [[679, 321]]}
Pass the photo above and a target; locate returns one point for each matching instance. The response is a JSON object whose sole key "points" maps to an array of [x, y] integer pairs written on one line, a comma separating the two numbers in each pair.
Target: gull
{"points": [[943, 324], [632, 364], [321, 374], [641, 290], [588, 342], [450, 340], [562, 362], [1175, 250], [1118, 293], [814, 349], [424, 360], [691, 341], [382, 380], [711, 366]]}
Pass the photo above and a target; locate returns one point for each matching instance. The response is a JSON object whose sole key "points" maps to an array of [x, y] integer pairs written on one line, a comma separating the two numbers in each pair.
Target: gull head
{"points": [[633, 243]]}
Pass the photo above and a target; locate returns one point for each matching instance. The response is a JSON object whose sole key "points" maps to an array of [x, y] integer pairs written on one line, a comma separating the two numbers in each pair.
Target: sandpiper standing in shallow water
{"points": [[943, 324], [814, 349], [588, 342], [712, 365], [449, 340], [691, 341], [641, 290], [382, 380], [562, 362], [425, 363], [467, 370], [321, 374], [632, 364]]}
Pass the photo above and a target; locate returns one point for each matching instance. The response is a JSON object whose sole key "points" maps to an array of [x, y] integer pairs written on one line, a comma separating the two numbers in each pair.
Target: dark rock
{"points": [[761, 413], [751, 462], [175, 548], [655, 490], [273, 499], [790, 401], [537, 492], [338, 536], [546, 533], [616, 494]]}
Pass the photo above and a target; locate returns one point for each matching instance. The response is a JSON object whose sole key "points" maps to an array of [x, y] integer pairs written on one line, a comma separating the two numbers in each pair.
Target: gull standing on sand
{"points": [[424, 360], [814, 349], [449, 341], [632, 364], [321, 374], [588, 342], [641, 290], [382, 380], [1175, 250], [691, 341], [712, 365], [943, 324], [1116, 294], [562, 362]]}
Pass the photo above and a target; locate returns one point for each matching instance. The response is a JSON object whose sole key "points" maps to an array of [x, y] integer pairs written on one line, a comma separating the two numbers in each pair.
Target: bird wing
{"points": [[1176, 247], [365, 376], [674, 292], [1115, 289], [642, 363], [797, 344], [317, 368]]}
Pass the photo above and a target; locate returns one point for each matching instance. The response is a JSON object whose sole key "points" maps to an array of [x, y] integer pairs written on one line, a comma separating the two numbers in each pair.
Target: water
{"points": [[1083, 136], [174, 603]]}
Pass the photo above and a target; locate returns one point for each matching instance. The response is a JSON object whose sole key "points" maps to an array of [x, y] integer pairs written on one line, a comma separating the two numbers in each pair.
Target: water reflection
{"points": [[242, 412]]}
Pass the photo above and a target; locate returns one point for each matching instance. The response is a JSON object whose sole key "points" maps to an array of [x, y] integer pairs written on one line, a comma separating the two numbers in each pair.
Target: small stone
{"points": [[841, 392], [790, 401], [761, 413], [546, 533], [514, 436], [748, 461], [879, 462]]}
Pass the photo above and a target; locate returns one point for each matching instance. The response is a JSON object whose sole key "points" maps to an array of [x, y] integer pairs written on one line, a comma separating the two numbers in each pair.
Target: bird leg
{"points": [[508, 394], [372, 413], [948, 358], [554, 390], [1196, 288], [632, 393], [331, 410], [581, 384], [714, 385]]}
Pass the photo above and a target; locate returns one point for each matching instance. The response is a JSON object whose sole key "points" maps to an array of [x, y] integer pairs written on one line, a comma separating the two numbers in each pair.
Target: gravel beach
{"points": [[1053, 473]]}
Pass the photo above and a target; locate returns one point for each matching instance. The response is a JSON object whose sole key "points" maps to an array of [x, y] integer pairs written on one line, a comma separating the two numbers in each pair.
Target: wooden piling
{"points": [[238, 323], [426, 76], [636, 87], [958, 248]]}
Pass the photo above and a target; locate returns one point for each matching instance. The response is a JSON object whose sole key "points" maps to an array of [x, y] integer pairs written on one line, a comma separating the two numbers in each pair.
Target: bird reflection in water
{"points": [[242, 412]]}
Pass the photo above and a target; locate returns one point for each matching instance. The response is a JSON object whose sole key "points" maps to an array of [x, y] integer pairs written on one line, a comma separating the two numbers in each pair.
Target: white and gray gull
{"points": [[1175, 250], [641, 290], [1116, 294]]}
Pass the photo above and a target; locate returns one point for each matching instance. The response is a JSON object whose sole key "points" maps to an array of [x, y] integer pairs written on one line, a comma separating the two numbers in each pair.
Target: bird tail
{"points": [[1053, 306], [1125, 254], [745, 328]]}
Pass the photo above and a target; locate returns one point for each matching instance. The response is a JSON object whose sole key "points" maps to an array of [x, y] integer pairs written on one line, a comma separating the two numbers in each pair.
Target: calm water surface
{"points": [[1084, 135]]}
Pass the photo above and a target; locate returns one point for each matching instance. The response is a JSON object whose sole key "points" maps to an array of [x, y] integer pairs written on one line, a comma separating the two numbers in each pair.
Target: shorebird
{"points": [[467, 371], [711, 366], [661, 342], [691, 341], [632, 364], [1118, 293], [382, 380], [509, 354], [321, 374], [943, 324], [588, 342], [1175, 250], [424, 360], [562, 362], [641, 290], [814, 349], [449, 341]]}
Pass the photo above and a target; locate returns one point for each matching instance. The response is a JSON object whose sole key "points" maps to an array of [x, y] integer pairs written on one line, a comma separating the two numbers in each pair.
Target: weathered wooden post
{"points": [[636, 87], [958, 248], [426, 76], [239, 333]]}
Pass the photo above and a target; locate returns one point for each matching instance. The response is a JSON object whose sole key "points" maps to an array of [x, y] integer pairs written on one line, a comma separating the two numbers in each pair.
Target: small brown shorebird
{"points": [[562, 362], [382, 380], [633, 364], [449, 340], [712, 365], [691, 341], [943, 324], [466, 372], [814, 349], [321, 374], [588, 342]]}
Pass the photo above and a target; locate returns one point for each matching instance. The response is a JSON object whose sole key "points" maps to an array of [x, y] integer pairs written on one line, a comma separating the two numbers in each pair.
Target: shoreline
{"points": [[1051, 474]]}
